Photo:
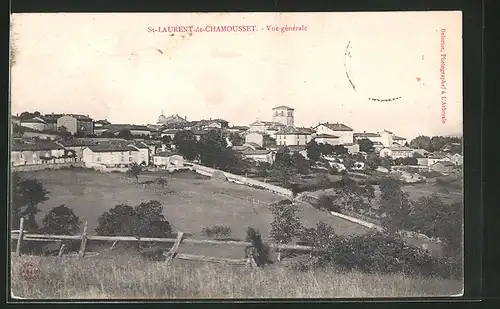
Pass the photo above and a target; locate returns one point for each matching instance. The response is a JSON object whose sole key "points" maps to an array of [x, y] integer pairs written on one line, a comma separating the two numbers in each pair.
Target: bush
{"points": [[261, 251], [144, 220], [372, 253], [326, 202], [61, 220], [217, 231]]}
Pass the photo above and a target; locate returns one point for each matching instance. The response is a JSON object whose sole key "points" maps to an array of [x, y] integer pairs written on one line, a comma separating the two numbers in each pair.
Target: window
{"points": [[130, 159], [276, 113], [122, 158], [21, 155], [99, 159], [130, 152]]}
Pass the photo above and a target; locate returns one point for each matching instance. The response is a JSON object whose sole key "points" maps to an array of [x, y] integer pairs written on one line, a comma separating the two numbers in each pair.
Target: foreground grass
{"points": [[131, 277]]}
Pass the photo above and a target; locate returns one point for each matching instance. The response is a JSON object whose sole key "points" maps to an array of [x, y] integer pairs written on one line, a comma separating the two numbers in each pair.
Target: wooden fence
{"points": [[20, 235]]}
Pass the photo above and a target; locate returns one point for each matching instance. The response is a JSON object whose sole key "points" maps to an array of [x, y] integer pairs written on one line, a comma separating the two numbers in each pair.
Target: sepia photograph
{"points": [[236, 155]]}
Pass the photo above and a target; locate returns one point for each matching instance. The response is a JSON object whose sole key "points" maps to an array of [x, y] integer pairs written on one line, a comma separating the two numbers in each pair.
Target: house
{"points": [[292, 136], [327, 139], [385, 137], [301, 149], [51, 121], [144, 156], [456, 159], [401, 141], [76, 123], [137, 130], [40, 152], [35, 123], [238, 129], [167, 159], [437, 157], [174, 119], [377, 146], [421, 152], [396, 152], [211, 124], [268, 127], [344, 132], [111, 155], [423, 161], [259, 155], [154, 146], [169, 132], [444, 167], [284, 115], [261, 139], [352, 148], [78, 145], [101, 123]]}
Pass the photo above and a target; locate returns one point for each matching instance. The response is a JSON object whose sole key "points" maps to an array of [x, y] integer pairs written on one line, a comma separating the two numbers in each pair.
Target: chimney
{"points": [[185, 118]]}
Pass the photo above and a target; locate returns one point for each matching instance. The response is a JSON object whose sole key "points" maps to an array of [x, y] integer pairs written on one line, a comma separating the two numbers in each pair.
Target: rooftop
{"points": [[335, 126], [326, 136], [36, 146], [398, 138], [283, 107], [111, 147], [400, 149], [250, 151], [164, 154], [293, 131], [33, 120], [366, 134]]}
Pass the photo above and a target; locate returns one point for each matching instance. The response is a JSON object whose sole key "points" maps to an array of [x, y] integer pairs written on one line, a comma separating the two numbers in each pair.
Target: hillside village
{"points": [[71, 138]]}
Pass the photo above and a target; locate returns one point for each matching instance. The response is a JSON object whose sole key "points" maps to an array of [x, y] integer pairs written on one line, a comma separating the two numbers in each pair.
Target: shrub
{"points": [[285, 225], [261, 251], [217, 231], [326, 202], [61, 220], [144, 220], [372, 253]]}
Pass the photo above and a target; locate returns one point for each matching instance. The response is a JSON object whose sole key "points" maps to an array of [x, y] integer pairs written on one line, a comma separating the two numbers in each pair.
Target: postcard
{"points": [[236, 155]]}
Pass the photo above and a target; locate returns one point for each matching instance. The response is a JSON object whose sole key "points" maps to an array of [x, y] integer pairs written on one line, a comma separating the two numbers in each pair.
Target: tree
{"points": [[187, 145], [126, 134], [167, 140], [339, 149], [80, 134], [365, 145], [134, 171], [395, 204], [27, 194], [300, 164], [144, 220], [211, 147], [236, 139], [313, 150], [107, 134], [261, 251], [438, 143], [369, 192], [282, 166], [61, 220], [373, 162], [285, 225], [421, 142]]}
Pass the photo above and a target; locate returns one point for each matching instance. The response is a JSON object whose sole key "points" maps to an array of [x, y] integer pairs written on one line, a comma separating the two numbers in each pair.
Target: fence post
{"points": [[19, 239], [61, 250], [81, 253], [173, 251]]}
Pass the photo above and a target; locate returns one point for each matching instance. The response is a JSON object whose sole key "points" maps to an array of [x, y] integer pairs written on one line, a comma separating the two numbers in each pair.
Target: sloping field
{"points": [[190, 201]]}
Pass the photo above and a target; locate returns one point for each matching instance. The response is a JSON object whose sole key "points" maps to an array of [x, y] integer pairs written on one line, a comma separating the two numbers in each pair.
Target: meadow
{"points": [[190, 201], [134, 278]]}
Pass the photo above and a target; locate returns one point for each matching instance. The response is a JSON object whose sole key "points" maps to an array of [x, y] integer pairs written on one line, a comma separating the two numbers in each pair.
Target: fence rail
{"points": [[21, 235]]}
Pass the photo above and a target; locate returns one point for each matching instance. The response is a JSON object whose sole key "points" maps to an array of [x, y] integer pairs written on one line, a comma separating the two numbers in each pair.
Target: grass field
{"points": [[131, 277], [190, 201]]}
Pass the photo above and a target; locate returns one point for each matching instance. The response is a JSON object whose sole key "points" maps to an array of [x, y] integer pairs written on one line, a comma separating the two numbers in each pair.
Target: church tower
{"points": [[284, 115]]}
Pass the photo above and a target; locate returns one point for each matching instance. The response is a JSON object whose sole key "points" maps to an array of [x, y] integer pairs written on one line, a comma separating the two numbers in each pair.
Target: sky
{"points": [[108, 66]]}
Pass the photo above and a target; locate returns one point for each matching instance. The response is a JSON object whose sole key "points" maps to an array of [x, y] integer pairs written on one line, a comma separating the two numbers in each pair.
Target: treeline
{"points": [[437, 143]]}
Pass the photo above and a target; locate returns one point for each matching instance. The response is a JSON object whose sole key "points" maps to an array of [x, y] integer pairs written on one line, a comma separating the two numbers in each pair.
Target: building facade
{"points": [[167, 159], [76, 123], [396, 152], [291, 136], [111, 155], [35, 123], [327, 139], [345, 133], [284, 115], [40, 152]]}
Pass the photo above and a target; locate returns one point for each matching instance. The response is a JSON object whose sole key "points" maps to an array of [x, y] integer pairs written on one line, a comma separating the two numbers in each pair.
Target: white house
{"points": [[256, 137], [344, 132], [168, 159], [292, 136], [456, 159], [259, 155], [76, 123], [143, 156], [396, 152], [39, 152], [327, 139], [386, 138], [111, 155], [35, 123], [267, 127], [433, 159], [352, 148], [401, 141]]}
